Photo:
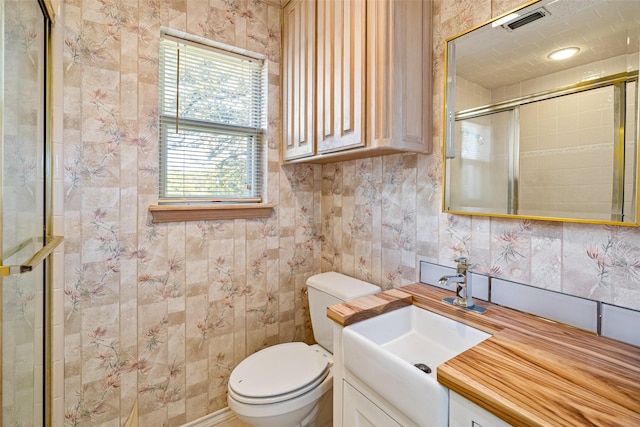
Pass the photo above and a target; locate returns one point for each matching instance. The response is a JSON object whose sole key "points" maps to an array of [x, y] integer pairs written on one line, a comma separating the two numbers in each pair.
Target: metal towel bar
{"points": [[35, 260]]}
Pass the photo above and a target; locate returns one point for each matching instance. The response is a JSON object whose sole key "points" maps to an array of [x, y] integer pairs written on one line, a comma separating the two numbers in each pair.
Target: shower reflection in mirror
{"points": [[527, 157]]}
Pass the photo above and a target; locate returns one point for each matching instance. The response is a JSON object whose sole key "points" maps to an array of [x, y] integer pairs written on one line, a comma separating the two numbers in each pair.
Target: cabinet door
{"points": [[298, 78], [340, 79], [358, 411], [399, 72], [464, 413]]}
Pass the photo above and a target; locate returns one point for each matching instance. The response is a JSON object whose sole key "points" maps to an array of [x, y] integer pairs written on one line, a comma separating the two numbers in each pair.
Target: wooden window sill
{"points": [[178, 213]]}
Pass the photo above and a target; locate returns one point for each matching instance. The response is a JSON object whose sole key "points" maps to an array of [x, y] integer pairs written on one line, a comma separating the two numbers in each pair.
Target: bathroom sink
{"points": [[382, 351]]}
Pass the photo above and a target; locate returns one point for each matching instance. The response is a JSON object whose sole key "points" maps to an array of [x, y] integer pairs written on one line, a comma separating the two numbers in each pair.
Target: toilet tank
{"points": [[327, 289]]}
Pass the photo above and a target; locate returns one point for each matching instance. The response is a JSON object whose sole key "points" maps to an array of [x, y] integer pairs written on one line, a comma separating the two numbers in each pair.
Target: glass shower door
{"points": [[23, 210], [480, 174]]}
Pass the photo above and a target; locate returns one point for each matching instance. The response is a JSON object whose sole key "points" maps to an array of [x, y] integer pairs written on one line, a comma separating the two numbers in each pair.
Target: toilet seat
{"points": [[278, 373]]}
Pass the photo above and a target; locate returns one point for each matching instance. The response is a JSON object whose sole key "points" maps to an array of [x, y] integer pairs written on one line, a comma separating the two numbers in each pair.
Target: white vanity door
{"points": [[464, 413], [358, 411]]}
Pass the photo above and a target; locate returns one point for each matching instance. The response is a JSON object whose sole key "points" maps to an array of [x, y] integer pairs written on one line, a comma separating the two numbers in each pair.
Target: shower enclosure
{"points": [[25, 212], [561, 153]]}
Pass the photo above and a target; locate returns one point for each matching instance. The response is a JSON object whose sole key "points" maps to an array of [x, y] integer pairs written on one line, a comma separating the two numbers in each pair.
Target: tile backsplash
{"points": [[608, 320], [580, 312], [621, 324]]}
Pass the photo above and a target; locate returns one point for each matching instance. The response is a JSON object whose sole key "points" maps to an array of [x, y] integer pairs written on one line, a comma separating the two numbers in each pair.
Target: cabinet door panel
{"points": [[464, 413], [298, 78], [340, 79], [358, 411], [414, 69], [399, 102]]}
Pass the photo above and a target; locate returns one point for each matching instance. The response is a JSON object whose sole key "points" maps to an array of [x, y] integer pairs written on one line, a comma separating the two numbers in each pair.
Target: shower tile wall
{"points": [[469, 94], [57, 154], [631, 149], [568, 139]]}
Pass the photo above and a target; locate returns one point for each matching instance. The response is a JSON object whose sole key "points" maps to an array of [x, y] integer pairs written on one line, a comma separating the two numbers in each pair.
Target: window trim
{"points": [[204, 124], [209, 212], [180, 210]]}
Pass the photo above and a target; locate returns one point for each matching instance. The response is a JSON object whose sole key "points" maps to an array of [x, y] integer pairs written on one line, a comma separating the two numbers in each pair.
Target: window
{"points": [[211, 124]]}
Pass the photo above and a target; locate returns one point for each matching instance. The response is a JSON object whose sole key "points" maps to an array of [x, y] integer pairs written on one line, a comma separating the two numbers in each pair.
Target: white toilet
{"points": [[290, 385]]}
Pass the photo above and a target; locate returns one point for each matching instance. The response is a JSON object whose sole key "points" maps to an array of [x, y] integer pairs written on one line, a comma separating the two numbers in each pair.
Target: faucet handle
{"points": [[462, 260], [463, 263]]}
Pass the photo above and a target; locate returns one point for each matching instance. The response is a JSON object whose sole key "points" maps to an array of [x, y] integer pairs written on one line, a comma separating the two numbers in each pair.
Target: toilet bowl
{"points": [[283, 385], [290, 385]]}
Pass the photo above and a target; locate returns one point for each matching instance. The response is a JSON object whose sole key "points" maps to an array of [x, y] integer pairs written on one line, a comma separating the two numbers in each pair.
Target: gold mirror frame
{"points": [[450, 114]]}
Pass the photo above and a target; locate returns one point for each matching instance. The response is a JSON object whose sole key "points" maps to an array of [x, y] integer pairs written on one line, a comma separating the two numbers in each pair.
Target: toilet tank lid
{"points": [[341, 286]]}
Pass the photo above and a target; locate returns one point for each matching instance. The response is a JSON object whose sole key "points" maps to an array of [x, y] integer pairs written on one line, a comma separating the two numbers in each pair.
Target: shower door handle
{"points": [[35, 260]]}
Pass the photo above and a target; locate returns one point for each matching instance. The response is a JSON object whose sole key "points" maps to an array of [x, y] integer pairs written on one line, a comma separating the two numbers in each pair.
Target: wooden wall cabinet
{"points": [[366, 88], [298, 78], [340, 79]]}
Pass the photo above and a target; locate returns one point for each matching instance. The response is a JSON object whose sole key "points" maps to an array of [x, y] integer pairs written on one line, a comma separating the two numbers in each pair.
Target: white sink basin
{"points": [[382, 351]]}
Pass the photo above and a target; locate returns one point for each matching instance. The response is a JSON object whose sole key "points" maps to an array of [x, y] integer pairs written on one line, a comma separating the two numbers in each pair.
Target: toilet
{"points": [[290, 385]]}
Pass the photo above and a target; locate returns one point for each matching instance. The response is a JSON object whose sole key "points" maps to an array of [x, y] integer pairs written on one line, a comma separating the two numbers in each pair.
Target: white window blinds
{"points": [[211, 124]]}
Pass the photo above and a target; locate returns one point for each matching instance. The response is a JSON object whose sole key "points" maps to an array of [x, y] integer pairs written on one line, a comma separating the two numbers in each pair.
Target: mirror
{"points": [[530, 136]]}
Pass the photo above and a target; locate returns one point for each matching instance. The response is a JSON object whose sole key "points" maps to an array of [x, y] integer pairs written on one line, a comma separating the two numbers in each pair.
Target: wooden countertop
{"points": [[532, 371]]}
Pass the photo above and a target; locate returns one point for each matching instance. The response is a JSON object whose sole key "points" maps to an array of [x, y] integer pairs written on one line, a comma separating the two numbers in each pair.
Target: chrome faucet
{"points": [[464, 296]]}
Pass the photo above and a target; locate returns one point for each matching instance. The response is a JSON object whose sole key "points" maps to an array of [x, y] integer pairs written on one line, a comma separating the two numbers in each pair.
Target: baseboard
{"points": [[214, 419]]}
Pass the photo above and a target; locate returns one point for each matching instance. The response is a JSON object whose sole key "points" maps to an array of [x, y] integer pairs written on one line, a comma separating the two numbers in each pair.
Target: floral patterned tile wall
{"points": [[163, 313], [381, 216]]}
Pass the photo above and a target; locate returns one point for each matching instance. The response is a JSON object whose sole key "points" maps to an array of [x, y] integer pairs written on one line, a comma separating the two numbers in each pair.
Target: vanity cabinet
{"points": [[347, 96], [465, 413], [359, 411]]}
